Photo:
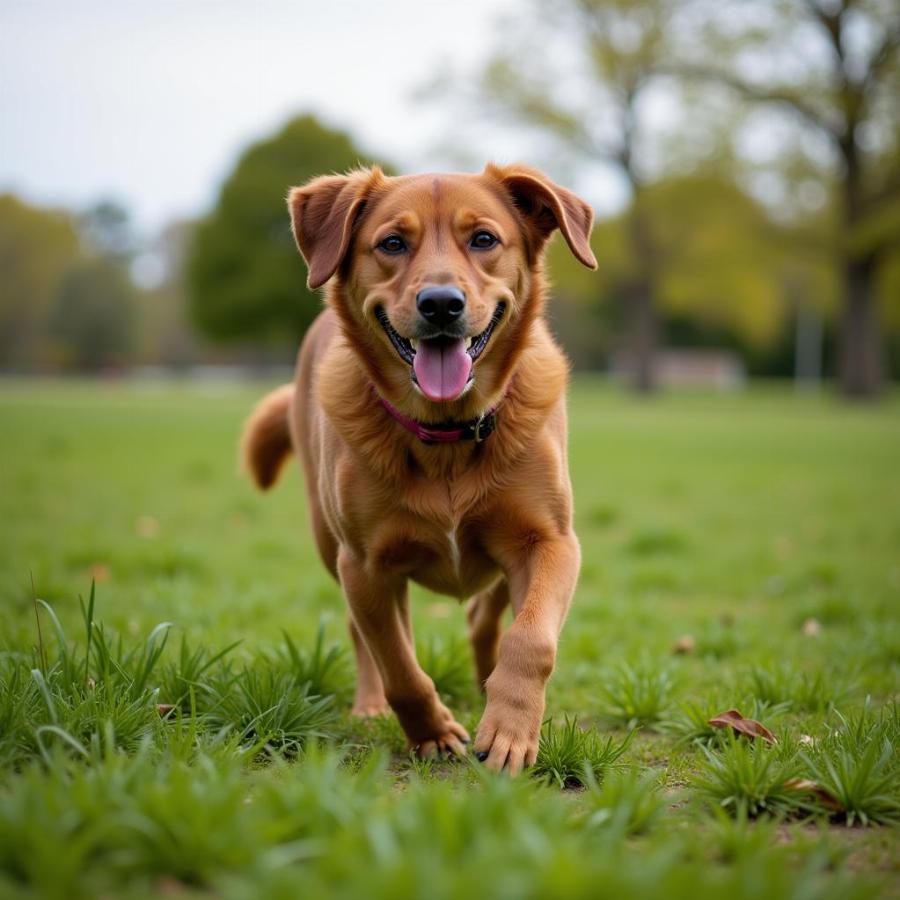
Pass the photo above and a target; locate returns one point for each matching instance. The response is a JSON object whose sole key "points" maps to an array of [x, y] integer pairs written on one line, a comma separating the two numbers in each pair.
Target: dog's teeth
{"points": [[469, 342], [415, 343]]}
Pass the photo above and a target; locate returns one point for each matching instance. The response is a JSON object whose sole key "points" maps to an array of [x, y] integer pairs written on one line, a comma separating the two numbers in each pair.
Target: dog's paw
{"points": [[508, 737], [451, 743], [442, 735]]}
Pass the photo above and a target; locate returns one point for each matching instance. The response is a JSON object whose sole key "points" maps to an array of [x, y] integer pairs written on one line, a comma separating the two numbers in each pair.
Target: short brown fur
{"points": [[488, 522]]}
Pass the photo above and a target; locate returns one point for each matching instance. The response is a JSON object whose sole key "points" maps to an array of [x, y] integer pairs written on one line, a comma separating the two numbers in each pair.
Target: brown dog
{"points": [[429, 414]]}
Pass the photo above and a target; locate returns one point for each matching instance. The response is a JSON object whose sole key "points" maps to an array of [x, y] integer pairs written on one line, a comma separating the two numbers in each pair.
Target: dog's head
{"points": [[435, 269]]}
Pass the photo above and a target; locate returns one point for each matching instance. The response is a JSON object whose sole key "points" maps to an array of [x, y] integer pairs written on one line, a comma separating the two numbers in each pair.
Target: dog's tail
{"points": [[266, 442]]}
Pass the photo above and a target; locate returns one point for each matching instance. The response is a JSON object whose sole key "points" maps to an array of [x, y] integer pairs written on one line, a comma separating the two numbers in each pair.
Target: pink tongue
{"points": [[442, 368]]}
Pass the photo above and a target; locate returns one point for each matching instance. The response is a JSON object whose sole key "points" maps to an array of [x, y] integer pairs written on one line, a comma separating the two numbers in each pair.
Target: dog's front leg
{"points": [[541, 582], [376, 601]]}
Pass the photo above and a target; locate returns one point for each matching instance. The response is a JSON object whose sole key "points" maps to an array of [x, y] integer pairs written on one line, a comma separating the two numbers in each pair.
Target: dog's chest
{"points": [[453, 560], [449, 554]]}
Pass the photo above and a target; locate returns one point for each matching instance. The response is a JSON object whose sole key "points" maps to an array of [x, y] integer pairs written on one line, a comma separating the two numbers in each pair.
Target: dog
{"points": [[429, 414]]}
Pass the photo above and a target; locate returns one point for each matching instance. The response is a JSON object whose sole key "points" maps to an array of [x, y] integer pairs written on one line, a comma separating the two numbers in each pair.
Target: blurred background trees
{"points": [[578, 71], [94, 315], [36, 248], [67, 299], [245, 277], [587, 73], [758, 150], [834, 68]]}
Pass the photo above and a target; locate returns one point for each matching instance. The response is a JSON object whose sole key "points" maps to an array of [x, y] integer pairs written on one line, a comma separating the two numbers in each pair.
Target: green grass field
{"points": [[761, 532]]}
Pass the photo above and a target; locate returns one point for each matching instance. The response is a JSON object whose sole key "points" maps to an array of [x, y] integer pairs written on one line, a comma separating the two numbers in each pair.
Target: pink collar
{"points": [[477, 430]]}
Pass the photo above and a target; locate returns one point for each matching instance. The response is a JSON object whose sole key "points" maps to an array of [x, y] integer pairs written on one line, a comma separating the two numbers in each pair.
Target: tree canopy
{"points": [[94, 315], [37, 246], [245, 277], [834, 67], [831, 65]]}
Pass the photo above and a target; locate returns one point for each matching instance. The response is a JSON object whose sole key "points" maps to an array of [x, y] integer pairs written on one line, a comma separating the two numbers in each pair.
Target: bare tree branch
{"points": [[881, 56], [759, 94]]}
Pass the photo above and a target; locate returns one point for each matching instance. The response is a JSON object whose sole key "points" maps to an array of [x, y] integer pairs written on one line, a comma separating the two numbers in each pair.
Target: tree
{"points": [[166, 333], [726, 272], [245, 277], [95, 314], [834, 67], [106, 231], [608, 55], [36, 247]]}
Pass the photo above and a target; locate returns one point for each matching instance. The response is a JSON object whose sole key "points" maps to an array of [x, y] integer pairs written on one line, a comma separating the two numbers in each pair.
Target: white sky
{"points": [[150, 101]]}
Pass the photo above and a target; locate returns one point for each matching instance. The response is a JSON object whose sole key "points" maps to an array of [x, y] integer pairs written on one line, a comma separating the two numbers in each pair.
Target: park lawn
{"points": [[761, 529]]}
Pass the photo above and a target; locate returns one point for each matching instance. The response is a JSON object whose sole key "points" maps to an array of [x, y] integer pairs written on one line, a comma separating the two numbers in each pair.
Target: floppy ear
{"points": [[545, 206], [322, 215]]}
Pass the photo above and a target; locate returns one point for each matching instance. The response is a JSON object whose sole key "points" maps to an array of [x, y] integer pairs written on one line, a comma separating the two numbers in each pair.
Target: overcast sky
{"points": [[150, 102]]}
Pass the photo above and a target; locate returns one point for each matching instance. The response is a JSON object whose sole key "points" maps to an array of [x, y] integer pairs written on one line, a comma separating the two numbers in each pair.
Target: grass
{"points": [[858, 764], [569, 756], [184, 729], [749, 779], [636, 695]]}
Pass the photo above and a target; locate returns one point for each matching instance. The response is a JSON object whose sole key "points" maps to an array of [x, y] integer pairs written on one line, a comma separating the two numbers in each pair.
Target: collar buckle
{"points": [[476, 434]]}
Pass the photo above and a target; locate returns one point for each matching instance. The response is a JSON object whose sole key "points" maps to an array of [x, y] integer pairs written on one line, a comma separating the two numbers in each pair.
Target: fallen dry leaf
{"points": [[685, 644], [805, 786], [164, 709], [99, 572], [440, 610], [733, 719], [147, 527], [807, 740], [812, 628]]}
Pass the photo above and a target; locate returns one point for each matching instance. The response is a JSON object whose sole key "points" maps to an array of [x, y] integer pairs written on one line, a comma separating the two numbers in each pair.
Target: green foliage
{"points": [[626, 802], [68, 299], [863, 783], [20, 703], [104, 694], [245, 275], [269, 709], [726, 271], [148, 824], [571, 756], [737, 837], [36, 248], [449, 663], [783, 683], [139, 804], [636, 695], [690, 721], [748, 778], [99, 694], [181, 679], [858, 766], [94, 315], [322, 669]]}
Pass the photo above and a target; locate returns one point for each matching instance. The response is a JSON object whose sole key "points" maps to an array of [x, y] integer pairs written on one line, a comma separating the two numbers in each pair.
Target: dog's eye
{"points": [[393, 243], [483, 240]]}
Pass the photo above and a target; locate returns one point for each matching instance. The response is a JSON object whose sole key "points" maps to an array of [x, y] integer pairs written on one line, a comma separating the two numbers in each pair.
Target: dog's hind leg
{"points": [[370, 699], [377, 601], [485, 614]]}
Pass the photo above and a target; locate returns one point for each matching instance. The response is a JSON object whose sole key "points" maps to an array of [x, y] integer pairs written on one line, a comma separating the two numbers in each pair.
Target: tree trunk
{"points": [[641, 299], [642, 337], [861, 366], [861, 361]]}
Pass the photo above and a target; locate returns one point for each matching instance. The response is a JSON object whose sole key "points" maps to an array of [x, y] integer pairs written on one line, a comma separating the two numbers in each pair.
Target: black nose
{"points": [[442, 304]]}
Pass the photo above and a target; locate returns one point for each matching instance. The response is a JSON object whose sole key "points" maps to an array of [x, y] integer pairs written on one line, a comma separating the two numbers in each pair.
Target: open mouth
{"points": [[442, 367]]}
